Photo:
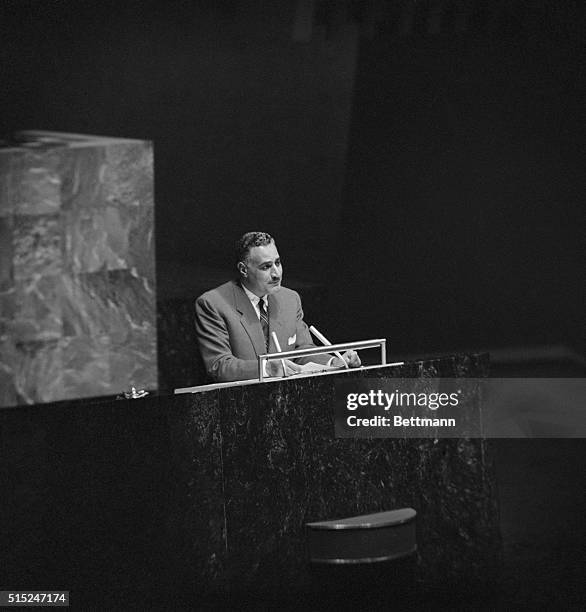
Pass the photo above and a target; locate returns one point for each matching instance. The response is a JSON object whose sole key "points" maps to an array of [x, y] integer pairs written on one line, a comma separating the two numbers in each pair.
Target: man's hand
{"points": [[275, 367], [350, 357]]}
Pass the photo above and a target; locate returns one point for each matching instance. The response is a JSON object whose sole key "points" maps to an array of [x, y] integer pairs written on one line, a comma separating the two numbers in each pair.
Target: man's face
{"points": [[262, 272]]}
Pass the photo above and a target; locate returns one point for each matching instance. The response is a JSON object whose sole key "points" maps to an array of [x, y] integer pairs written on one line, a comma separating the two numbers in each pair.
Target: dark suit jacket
{"points": [[230, 336]]}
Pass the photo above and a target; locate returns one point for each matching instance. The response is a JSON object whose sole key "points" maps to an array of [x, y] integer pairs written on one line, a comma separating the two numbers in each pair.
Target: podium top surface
{"points": [[256, 381]]}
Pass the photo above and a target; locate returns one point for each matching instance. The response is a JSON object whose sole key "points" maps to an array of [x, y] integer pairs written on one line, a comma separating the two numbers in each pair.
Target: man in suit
{"points": [[235, 322]]}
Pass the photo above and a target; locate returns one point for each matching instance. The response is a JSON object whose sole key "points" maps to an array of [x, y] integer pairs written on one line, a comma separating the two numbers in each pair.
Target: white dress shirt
{"points": [[254, 300]]}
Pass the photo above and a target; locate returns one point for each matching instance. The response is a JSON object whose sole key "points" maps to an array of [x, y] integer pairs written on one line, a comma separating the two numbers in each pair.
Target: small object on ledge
{"points": [[135, 393]]}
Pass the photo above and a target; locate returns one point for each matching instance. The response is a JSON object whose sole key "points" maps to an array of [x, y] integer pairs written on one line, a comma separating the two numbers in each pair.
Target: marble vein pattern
{"points": [[77, 273], [204, 494], [281, 467]]}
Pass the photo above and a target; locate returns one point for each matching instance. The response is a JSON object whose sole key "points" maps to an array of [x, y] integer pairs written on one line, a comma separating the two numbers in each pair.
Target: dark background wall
{"points": [[421, 160], [249, 124], [464, 179]]}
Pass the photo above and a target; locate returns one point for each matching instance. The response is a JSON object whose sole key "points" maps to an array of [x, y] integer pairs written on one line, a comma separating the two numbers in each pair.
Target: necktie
{"points": [[264, 321]]}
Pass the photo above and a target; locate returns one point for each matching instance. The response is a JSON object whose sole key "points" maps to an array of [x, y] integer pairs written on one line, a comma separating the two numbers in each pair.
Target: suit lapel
{"points": [[249, 320], [275, 318]]}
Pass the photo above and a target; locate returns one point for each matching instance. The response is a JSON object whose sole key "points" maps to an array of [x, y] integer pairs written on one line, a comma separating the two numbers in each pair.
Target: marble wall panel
{"points": [[111, 237], [37, 242], [127, 174], [37, 309], [93, 362], [7, 310], [119, 300], [77, 274], [7, 163], [36, 182], [8, 394], [6, 254], [141, 244], [109, 220], [81, 185]]}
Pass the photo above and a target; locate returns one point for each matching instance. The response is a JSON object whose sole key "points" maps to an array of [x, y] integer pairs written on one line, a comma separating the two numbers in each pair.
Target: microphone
{"points": [[276, 341], [325, 341]]}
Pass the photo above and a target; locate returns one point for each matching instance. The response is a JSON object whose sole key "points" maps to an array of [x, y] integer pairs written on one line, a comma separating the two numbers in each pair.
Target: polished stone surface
{"points": [[77, 280], [282, 467], [185, 496]]}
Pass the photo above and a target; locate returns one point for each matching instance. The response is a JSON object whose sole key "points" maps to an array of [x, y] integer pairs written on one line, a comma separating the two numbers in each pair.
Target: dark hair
{"points": [[249, 241]]}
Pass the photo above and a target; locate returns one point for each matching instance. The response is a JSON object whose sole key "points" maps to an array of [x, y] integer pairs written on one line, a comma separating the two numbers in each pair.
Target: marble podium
{"points": [[77, 279], [254, 463], [199, 495]]}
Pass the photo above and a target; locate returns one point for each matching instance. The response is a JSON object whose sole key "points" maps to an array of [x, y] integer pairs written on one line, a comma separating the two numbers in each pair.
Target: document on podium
{"points": [[312, 367], [309, 368]]}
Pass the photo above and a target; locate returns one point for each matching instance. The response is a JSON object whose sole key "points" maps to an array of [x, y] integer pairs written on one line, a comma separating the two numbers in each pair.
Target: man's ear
{"points": [[242, 268]]}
